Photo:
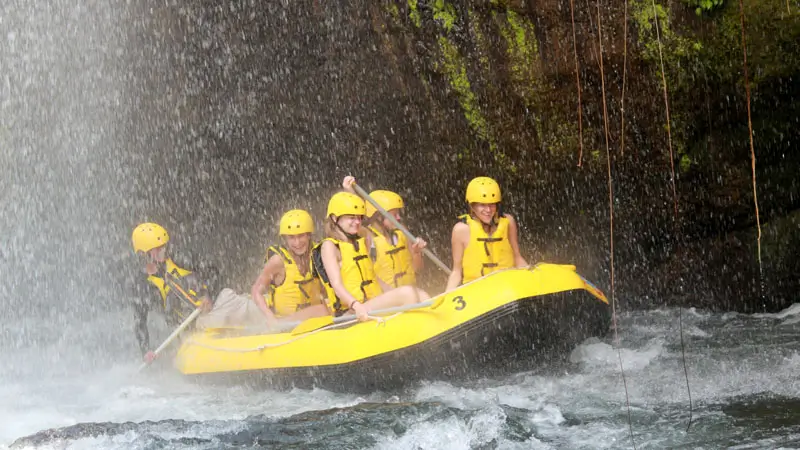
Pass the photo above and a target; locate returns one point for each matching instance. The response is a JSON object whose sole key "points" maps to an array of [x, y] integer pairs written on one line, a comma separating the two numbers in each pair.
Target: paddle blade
{"points": [[312, 324], [437, 301]]}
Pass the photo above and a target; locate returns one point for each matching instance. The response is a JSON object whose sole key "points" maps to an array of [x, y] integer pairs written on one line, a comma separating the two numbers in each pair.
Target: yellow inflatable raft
{"points": [[506, 321]]}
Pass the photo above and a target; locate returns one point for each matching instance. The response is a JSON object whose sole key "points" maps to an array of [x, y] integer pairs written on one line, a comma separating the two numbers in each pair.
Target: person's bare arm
{"points": [[385, 287], [272, 270], [458, 241], [513, 239], [330, 259], [416, 253], [347, 184]]}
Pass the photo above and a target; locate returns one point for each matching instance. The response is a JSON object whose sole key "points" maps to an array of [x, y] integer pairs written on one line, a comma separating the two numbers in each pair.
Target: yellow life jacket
{"points": [[358, 274], [485, 253], [393, 262], [297, 291], [180, 308]]}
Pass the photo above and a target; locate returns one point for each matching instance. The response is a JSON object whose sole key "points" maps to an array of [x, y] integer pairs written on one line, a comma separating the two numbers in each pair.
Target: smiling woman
{"points": [[294, 293], [342, 261], [485, 240]]}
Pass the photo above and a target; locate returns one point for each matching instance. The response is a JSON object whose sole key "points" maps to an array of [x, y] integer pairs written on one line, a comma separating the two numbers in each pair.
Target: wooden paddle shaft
{"points": [[175, 334], [400, 227]]}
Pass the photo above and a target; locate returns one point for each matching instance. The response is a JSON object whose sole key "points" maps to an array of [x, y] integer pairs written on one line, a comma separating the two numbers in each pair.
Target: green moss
{"points": [[685, 163], [393, 11], [413, 13], [523, 53], [482, 45], [674, 47], [444, 13], [455, 69]]}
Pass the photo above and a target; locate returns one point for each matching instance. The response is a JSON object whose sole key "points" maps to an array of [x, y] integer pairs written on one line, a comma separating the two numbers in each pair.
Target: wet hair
{"points": [[333, 231]]}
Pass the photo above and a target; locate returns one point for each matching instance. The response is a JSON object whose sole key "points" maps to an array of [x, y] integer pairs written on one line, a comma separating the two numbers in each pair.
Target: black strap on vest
{"points": [[364, 283]]}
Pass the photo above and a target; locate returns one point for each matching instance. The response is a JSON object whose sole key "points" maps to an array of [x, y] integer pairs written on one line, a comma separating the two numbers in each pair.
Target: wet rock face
{"points": [[247, 109]]}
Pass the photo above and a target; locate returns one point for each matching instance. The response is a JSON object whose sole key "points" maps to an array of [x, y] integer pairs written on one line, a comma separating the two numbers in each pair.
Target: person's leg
{"points": [[422, 295], [231, 310], [404, 295], [307, 313]]}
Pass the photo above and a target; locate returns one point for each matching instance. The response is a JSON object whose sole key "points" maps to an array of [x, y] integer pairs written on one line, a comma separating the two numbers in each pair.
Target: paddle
{"points": [[400, 227], [174, 334], [316, 323], [186, 296]]}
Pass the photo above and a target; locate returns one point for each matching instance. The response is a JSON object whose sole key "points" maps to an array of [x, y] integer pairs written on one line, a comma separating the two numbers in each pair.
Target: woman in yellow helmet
{"points": [[485, 240], [343, 264], [294, 293], [396, 262]]}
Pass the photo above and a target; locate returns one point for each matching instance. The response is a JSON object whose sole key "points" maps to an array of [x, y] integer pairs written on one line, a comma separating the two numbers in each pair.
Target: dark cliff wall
{"points": [[246, 109]]}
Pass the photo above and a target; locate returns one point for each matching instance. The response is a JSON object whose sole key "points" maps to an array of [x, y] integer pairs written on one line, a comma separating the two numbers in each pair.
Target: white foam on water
{"points": [[108, 397], [594, 354], [453, 433], [791, 321], [580, 406], [793, 310]]}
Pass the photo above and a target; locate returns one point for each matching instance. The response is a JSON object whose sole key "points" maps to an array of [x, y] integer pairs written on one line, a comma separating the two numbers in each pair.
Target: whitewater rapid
{"points": [[741, 373]]}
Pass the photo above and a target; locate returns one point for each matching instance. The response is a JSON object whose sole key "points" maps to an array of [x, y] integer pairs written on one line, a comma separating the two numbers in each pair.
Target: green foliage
{"points": [[701, 6]]}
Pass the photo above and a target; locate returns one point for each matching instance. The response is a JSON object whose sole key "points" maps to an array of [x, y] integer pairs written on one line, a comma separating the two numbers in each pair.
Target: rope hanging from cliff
{"points": [[611, 221], [624, 79], [674, 199], [752, 148], [666, 106], [578, 83]]}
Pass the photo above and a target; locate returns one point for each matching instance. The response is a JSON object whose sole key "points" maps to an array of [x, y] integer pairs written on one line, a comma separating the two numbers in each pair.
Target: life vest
{"points": [[485, 253], [180, 307], [297, 291], [358, 274], [393, 261]]}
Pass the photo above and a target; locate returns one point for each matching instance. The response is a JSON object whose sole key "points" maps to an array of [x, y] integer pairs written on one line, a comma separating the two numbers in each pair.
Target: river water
{"points": [[742, 374], [72, 131]]}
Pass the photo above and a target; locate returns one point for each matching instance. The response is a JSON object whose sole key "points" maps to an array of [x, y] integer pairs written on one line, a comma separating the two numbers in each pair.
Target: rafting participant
{"points": [[396, 263], [343, 264], [294, 293], [485, 239], [161, 288]]}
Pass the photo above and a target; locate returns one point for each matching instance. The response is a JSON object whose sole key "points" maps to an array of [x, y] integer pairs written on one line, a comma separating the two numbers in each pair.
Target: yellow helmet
{"points": [[296, 221], [148, 236], [345, 203], [387, 199], [483, 190]]}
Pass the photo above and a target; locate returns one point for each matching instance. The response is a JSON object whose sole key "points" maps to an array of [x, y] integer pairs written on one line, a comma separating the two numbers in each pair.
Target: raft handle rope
{"points": [[380, 321]]}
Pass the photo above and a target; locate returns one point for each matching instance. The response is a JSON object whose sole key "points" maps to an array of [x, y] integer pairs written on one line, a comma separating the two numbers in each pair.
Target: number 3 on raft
{"points": [[460, 303]]}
